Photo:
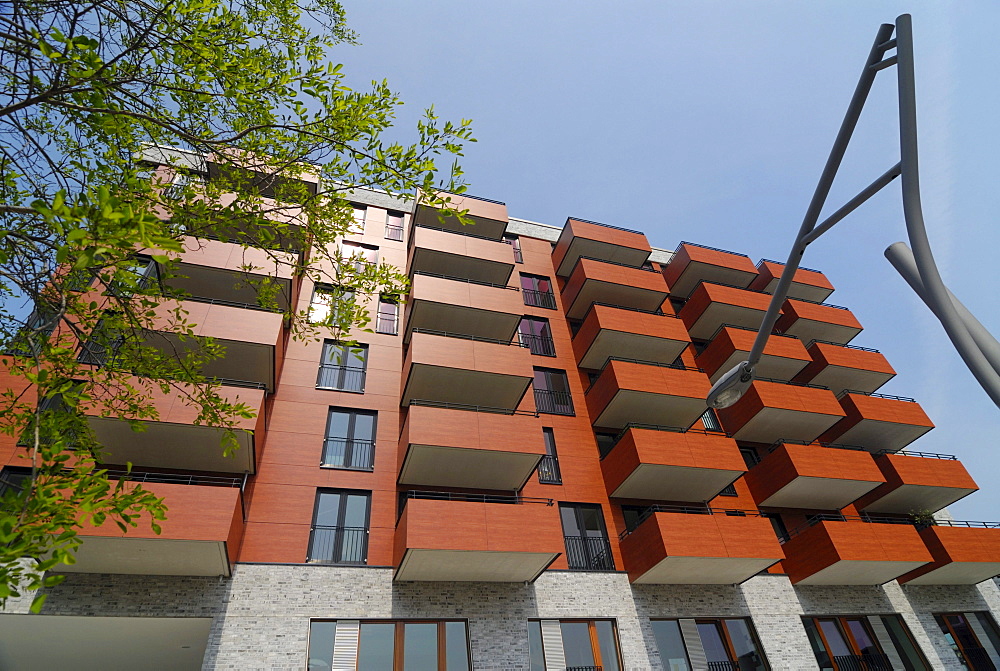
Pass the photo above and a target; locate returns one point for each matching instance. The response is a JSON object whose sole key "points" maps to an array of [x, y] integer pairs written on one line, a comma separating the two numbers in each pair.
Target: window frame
{"points": [[848, 636], [399, 632], [390, 229], [341, 375], [554, 474], [338, 540], [393, 328], [594, 562], [552, 407], [720, 623], [351, 439], [595, 646], [538, 296], [541, 343]]}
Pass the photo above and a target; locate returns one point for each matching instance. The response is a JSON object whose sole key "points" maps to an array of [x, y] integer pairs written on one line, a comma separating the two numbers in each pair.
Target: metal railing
{"points": [[500, 499], [656, 427], [613, 263], [597, 223], [341, 378], [787, 441], [387, 325], [538, 344], [687, 510], [100, 352], [726, 665], [782, 264], [865, 662], [539, 299], [728, 490], [837, 517], [349, 453], [548, 470], [874, 395], [976, 658], [658, 364], [464, 234], [471, 408], [748, 328], [338, 545], [789, 382], [554, 402], [714, 249], [820, 303], [830, 342], [465, 279], [223, 301], [393, 232], [923, 455], [961, 523], [174, 478], [466, 336], [469, 195], [658, 312], [589, 553]]}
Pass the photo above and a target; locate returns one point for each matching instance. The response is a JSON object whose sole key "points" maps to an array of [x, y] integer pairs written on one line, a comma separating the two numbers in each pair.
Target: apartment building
{"points": [[516, 470]]}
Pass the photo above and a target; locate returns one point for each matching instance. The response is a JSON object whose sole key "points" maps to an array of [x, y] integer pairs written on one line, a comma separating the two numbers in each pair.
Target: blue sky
{"points": [[710, 122]]}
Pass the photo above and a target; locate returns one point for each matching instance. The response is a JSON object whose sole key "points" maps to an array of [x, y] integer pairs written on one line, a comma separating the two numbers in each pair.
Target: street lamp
{"points": [[975, 345]]}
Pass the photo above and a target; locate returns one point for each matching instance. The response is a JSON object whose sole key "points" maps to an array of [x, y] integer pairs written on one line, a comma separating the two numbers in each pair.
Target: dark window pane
{"points": [[711, 641], [912, 659], [321, 635], [456, 647], [536, 657], [819, 648], [576, 643], [377, 646], [420, 651], [862, 638], [356, 512], [328, 510], [568, 515], [338, 425], [744, 646], [838, 646], [608, 644], [673, 655]]}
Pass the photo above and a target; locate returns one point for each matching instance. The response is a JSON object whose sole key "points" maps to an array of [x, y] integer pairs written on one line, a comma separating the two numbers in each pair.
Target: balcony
{"points": [[595, 281], [692, 263], [173, 440], [712, 305], [832, 549], [965, 553], [699, 546], [808, 284], [465, 255], [783, 356], [598, 241], [644, 392], [469, 448], [200, 536], [450, 368], [610, 329], [814, 476], [879, 422], [479, 538], [772, 410], [456, 305], [670, 464], [918, 481], [489, 217], [817, 321], [842, 367]]}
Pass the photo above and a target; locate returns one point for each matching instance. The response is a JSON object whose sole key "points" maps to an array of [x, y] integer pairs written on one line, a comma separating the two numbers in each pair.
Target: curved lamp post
{"points": [[975, 345]]}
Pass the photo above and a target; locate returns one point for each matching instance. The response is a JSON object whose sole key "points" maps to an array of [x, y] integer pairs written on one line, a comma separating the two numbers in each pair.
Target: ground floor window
{"points": [[973, 637], [389, 645], [586, 645], [728, 644], [863, 643]]}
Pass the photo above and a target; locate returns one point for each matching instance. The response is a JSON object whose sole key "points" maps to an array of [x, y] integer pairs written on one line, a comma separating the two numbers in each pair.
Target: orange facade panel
{"points": [[853, 552], [608, 330], [464, 255], [599, 282], [713, 305], [878, 422], [644, 393], [680, 548], [597, 241], [808, 284], [915, 483], [771, 411], [843, 367], [782, 359], [648, 463], [457, 306], [693, 263], [464, 540], [812, 476], [488, 218], [817, 321], [964, 554]]}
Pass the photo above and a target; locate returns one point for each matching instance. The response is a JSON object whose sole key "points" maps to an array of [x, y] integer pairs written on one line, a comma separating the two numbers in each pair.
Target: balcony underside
{"points": [[242, 361], [717, 314], [904, 499], [808, 330], [839, 378], [770, 366], [472, 565], [150, 556], [958, 573], [675, 483], [228, 285], [463, 386], [466, 468], [697, 271], [875, 435], [596, 249], [819, 493], [461, 265], [172, 446], [703, 571], [643, 347], [643, 407], [485, 227], [597, 291], [771, 424], [450, 318], [859, 572]]}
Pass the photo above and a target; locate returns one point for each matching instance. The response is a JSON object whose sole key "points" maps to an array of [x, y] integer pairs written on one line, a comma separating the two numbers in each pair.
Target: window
{"points": [[587, 645], [102, 347], [394, 225], [729, 490], [12, 481], [847, 643], [387, 319], [970, 635], [726, 644], [343, 367], [605, 442], [710, 421], [350, 439], [537, 291], [331, 305], [340, 528], [587, 546], [360, 214], [778, 525], [548, 467], [362, 255], [750, 456], [535, 334], [515, 243], [387, 645], [552, 392]]}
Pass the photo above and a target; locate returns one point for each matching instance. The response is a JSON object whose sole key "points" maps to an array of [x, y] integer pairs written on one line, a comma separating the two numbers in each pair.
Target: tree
{"points": [[262, 140]]}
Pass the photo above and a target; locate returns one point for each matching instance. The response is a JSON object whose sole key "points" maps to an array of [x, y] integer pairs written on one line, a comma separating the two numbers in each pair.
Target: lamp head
{"points": [[731, 386]]}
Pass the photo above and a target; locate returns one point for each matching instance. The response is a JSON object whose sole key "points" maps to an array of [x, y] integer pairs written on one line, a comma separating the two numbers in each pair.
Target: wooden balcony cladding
{"points": [[918, 483], [200, 536], [599, 282], [771, 411], [464, 449], [808, 284], [783, 357], [467, 255], [598, 241], [853, 552], [879, 422], [963, 555], [609, 330], [643, 393], [489, 217], [461, 541], [173, 440], [671, 465], [812, 476], [815, 321], [718, 549], [712, 305], [465, 371], [842, 367], [456, 306], [693, 263]]}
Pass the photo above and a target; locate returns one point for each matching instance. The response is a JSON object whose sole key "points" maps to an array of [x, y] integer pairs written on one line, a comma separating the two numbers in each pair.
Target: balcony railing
{"points": [[341, 378], [645, 268], [388, 325], [658, 364], [866, 662], [393, 232], [725, 665], [686, 510], [471, 408], [349, 453], [175, 478], [548, 471], [829, 342], [714, 249], [976, 658], [338, 545], [468, 281], [539, 299], [554, 402], [538, 344], [501, 499], [589, 553], [837, 517], [924, 455]]}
